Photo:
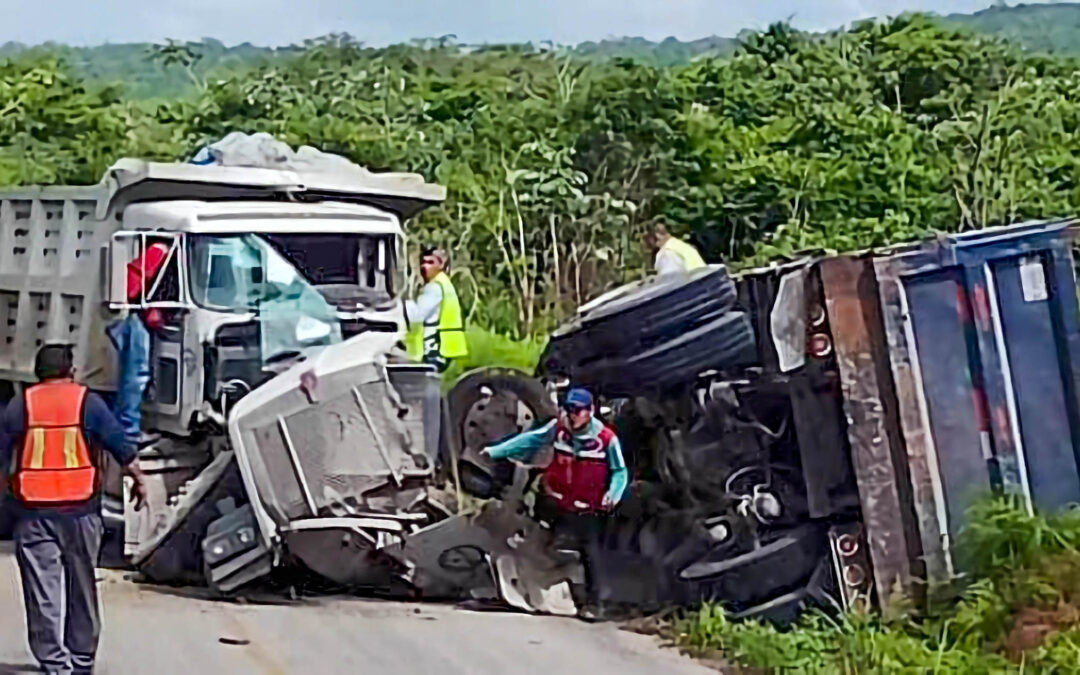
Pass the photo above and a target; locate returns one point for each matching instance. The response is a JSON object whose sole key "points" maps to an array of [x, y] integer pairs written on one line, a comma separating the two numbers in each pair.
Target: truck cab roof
{"points": [[225, 217]]}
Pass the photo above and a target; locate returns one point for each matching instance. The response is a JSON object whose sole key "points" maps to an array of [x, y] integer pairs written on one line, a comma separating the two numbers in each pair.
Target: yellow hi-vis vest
{"points": [[692, 260], [450, 327]]}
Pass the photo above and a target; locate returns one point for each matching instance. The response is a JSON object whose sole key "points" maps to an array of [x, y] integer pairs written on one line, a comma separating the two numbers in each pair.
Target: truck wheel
{"points": [[639, 317], [785, 561], [488, 405]]}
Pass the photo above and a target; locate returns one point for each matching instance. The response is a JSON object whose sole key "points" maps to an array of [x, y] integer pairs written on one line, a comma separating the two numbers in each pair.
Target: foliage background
{"points": [[556, 160]]}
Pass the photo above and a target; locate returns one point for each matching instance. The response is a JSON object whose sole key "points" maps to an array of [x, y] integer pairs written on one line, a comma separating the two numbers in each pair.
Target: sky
{"points": [[379, 22]]}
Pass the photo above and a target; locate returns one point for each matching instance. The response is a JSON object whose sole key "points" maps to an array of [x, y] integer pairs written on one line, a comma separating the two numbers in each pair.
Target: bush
{"points": [[488, 349]]}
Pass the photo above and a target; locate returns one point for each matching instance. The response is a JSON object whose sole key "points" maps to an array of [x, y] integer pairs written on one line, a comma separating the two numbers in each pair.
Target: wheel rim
{"points": [[493, 417]]}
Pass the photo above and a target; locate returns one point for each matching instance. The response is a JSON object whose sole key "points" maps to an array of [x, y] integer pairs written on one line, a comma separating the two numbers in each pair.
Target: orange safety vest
{"points": [[54, 467]]}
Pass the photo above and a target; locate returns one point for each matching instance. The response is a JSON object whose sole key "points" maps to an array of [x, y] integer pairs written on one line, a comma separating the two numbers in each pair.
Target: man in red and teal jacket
{"points": [[585, 480]]}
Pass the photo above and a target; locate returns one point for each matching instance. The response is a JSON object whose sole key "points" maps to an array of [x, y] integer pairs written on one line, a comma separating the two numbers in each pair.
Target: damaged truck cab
{"points": [[265, 269], [248, 288]]}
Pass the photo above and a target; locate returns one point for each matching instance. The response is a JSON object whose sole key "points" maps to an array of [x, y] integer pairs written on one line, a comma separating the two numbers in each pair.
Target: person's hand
{"points": [[138, 486], [485, 453], [607, 503]]}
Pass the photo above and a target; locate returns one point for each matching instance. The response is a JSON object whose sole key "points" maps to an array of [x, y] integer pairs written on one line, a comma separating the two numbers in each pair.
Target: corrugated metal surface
{"points": [[49, 271]]}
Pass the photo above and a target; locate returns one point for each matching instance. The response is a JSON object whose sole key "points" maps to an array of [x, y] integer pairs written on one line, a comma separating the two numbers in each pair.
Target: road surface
{"points": [[164, 631]]}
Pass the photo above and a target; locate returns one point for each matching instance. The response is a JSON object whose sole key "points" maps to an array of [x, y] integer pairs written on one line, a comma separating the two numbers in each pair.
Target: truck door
{"points": [[162, 291]]}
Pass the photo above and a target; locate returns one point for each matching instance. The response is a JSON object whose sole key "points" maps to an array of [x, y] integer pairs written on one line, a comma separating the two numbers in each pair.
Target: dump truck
{"points": [[286, 429], [266, 269]]}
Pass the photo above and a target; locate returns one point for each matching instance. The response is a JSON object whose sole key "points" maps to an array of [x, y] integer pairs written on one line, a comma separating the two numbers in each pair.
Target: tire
{"points": [[463, 400], [640, 317], [785, 562], [725, 342]]}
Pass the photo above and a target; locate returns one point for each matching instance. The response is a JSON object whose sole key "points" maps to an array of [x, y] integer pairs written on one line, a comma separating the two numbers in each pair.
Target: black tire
{"points": [[786, 561], [725, 342], [642, 316], [466, 394]]}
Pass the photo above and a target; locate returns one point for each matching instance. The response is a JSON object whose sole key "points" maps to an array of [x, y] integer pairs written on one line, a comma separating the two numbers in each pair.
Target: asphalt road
{"points": [[165, 631]]}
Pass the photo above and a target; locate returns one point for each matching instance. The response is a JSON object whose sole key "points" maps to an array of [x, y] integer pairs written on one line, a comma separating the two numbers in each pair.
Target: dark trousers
{"points": [[57, 556], [583, 532]]}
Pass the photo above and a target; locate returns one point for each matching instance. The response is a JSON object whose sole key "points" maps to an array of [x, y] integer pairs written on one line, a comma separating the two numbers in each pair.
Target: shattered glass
{"points": [[245, 273]]}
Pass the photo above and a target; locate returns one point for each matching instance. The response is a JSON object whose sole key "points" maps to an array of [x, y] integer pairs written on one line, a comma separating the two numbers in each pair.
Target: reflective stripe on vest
{"points": [[451, 326], [692, 260], [54, 466]]}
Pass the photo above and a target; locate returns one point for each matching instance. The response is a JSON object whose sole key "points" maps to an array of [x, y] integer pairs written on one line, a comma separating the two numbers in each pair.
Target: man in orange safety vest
{"points": [[51, 439]]}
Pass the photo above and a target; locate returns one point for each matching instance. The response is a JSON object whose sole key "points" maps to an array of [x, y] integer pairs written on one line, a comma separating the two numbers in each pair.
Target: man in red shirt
{"points": [[132, 340]]}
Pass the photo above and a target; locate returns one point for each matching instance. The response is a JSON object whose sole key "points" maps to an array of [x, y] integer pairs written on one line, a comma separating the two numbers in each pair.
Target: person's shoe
{"points": [[593, 612]]}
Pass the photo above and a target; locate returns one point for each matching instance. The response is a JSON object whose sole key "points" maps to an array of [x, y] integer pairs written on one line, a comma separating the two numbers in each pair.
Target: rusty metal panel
{"points": [[927, 494], [851, 298]]}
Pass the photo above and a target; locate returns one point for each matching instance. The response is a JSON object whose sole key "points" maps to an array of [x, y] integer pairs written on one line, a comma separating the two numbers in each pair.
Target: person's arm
{"points": [[619, 474], [524, 445], [668, 262], [12, 427], [102, 428], [154, 319], [426, 307]]}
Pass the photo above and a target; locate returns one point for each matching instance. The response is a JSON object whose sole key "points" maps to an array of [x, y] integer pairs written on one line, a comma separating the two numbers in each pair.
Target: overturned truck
{"points": [[814, 432]]}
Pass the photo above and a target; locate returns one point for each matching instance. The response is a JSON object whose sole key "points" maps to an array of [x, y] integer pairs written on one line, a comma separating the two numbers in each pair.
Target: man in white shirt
{"points": [[673, 255]]}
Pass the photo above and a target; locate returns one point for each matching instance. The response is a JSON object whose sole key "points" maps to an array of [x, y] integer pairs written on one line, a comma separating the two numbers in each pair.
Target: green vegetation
{"points": [[1036, 27], [1019, 611], [555, 164], [1039, 27], [139, 65], [488, 349]]}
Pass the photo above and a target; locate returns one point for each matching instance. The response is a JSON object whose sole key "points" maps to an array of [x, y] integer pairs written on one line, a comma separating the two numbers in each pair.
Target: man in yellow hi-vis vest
{"points": [[672, 255], [436, 324]]}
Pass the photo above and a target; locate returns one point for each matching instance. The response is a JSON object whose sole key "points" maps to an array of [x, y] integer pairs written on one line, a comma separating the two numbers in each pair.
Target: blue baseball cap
{"points": [[578, 398]]}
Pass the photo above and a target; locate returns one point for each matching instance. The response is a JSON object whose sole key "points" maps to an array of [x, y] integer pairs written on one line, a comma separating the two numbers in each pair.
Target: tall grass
{"points": [[490, 349], [1017, 610]]}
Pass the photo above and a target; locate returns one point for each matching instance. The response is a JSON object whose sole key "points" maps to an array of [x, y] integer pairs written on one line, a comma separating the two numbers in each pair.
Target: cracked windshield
{"points": [[246, 273], [604, 336]]}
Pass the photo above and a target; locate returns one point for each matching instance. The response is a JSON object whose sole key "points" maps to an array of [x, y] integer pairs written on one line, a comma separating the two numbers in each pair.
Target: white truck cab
{"points": [[264, 266], [248, 287]]}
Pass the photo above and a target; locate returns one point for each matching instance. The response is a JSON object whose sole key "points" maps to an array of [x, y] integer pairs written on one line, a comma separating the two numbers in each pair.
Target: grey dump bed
{"points": [[49, 273]]}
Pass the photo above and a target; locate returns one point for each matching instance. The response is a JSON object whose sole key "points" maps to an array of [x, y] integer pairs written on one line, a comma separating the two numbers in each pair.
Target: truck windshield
{"points": [[244, 273]]}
